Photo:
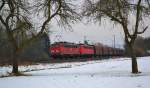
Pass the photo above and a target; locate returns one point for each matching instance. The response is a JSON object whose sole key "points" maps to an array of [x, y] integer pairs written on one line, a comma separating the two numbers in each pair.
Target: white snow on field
{"points": [[114, 73]]}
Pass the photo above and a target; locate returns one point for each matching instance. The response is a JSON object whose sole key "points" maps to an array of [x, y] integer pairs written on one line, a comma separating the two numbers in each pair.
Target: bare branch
{"points": [[111, 16], [50, 16], [119, 7], [148, 2], [143, 30], [3, 3], [137, 17], [2, 20]]}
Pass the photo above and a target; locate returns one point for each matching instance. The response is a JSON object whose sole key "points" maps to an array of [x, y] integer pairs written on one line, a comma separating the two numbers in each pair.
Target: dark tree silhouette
{"points": [[121, 12], [19, 29]]}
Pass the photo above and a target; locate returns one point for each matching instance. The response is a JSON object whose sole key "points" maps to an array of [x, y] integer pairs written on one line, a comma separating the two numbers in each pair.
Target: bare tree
{"points": [[121, 12], [13, 22], [14, 17], [63, 11]]}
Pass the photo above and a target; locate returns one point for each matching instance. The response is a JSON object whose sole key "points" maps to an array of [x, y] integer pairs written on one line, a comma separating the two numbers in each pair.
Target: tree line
{"points": [[35, 52], [141, 47]]}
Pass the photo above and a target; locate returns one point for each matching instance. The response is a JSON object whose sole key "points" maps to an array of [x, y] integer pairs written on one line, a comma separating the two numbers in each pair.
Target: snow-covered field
{"points": [[114, 73]]}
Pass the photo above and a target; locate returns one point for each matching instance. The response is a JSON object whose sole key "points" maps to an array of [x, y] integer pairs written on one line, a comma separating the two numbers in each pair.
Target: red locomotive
{"points": [[65, 49], [86, 50]]}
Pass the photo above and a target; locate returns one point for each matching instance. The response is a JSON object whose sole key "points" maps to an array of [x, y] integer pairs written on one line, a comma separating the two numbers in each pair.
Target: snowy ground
{"points": [[92, 74]]}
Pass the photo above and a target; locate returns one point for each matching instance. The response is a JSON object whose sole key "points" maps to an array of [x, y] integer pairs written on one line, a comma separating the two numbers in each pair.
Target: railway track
{"points": [[52, 60]]}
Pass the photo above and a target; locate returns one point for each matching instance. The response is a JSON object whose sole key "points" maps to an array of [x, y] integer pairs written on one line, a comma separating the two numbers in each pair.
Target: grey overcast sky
{"points": [[94, 32], [91, 31]]}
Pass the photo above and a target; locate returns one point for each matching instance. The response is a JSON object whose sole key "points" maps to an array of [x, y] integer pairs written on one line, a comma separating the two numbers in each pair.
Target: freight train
{"points": [[66, 49]]}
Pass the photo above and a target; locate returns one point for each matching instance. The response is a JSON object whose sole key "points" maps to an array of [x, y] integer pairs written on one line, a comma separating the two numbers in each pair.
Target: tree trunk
{"points": [[134, 65], [134, 59], [15, 64]]}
